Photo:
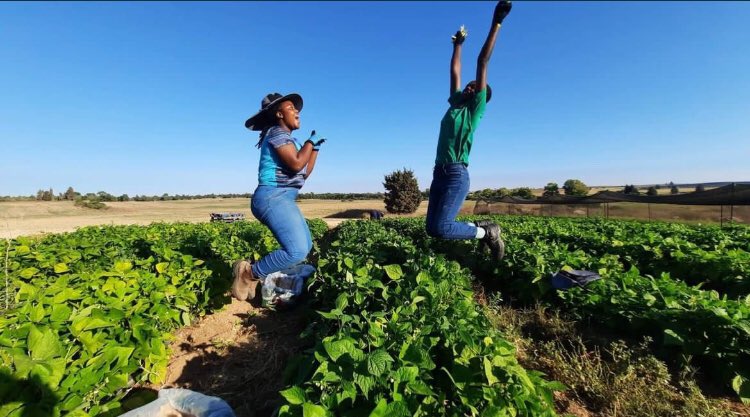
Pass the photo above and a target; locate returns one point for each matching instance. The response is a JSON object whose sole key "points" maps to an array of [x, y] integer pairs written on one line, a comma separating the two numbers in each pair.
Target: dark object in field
{"points": [[563, 280], [376, 214], [227, 217]]}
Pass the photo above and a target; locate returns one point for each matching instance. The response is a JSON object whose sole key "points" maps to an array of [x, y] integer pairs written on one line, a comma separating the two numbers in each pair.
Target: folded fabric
{"points": [[563, 280], [188, 403], [290, 281]]}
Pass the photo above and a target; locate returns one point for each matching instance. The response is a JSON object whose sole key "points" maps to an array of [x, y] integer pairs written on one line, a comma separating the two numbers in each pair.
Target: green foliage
{"points": [[489, 194], [674, 190], [93, 203], [684, 321], [402, 192], [700, 188], [575, 187], [652, 191], [551, 189], [631, 189], [400, 334], [94, 308], [522, 192]]}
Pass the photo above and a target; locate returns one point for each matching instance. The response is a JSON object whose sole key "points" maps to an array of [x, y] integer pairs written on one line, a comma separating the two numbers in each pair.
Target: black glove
{"points": [[460, 36], [314, 141], [501, 11]]}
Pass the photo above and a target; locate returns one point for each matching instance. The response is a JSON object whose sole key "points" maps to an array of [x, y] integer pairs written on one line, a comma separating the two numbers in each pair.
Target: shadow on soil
{"points": [[247, 375]]}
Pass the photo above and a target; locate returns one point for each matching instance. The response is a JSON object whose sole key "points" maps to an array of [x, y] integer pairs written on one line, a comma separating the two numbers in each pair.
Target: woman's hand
{"points": [[314, 141], [460, 36], [501, 11]]}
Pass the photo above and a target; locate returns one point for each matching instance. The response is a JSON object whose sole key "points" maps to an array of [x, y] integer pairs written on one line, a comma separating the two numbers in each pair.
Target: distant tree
{"points": [[45, 195], [551, 189], [70, 194], [123, 197], [674, 190], [575, 187], [487, 194], [523, 192], [652, 191], [700, 187], [631, 189], [657, 186], [105, 196], [402, 194]]}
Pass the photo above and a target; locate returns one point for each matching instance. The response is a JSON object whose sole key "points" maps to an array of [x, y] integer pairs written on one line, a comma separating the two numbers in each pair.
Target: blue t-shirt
{"points": [[271, 170]]}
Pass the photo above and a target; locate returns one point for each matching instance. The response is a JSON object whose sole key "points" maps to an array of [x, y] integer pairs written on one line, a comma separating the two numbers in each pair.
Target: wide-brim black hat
{"points": [[264, 116]]}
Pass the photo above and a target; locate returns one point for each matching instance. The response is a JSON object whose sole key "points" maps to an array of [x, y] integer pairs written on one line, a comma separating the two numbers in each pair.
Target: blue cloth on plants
{"points": [[563, 280]]}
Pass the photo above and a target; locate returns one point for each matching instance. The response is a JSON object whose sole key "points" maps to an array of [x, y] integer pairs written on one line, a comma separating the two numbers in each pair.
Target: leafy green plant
{"points": [[94, 308], [402, 335]]}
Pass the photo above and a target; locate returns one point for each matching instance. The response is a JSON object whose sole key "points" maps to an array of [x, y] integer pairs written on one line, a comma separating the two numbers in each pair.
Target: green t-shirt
{"points": [[458, 126]]}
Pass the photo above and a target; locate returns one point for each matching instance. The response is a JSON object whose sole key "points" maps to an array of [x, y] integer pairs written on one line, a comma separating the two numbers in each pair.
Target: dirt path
{"points": [[238, 354]]}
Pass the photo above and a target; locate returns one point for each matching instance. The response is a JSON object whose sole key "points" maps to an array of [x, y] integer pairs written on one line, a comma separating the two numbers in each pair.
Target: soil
{"points": [[237, 354]]}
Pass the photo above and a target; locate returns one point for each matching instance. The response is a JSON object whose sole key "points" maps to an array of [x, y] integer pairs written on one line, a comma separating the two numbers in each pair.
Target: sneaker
{"points": [[483, 224], [244, 285], [492, 239]]}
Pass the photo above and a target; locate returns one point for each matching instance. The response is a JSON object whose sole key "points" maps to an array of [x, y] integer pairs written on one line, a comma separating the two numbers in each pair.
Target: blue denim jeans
{"points": [[450, 186], [275, 208]]}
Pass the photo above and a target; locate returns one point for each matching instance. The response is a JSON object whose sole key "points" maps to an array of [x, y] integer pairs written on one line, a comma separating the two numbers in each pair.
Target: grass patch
{"points": [[92, 204], [605, 376]]}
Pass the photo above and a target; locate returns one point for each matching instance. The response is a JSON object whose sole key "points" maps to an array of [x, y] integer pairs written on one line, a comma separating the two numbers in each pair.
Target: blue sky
{"points": [[150, 98]]}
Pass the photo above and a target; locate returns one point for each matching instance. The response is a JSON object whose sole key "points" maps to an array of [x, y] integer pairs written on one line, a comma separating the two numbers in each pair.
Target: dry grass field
{"points": [[20, 218]]}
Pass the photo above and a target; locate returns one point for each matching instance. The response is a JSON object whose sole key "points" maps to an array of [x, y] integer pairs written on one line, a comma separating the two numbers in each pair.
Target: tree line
{"points": [[402, 193], [72, 195]]}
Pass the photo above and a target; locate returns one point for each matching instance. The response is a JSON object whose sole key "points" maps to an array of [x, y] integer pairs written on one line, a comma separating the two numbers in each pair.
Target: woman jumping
{"points": [[450, 178], [284, 166]]}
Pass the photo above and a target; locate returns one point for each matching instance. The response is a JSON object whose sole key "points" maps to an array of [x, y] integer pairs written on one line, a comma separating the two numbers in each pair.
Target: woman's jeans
{"points": [[450, 186], [275, 208]]}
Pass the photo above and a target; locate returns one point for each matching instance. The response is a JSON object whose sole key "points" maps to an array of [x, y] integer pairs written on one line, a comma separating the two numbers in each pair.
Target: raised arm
{"points": [[501, 10], [458, 40]]}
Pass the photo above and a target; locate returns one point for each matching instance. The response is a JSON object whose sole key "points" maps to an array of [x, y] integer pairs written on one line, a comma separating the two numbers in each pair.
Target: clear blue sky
{"points": [[150, 98]]}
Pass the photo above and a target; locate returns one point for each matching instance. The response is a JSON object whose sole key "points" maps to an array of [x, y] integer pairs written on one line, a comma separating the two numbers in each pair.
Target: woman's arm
{"points": [[458, 40], [292, 159], [311, 164], [501, 10]]}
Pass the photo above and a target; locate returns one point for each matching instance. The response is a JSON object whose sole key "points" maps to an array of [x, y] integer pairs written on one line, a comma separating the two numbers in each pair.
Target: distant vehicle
{"points": [[227, 217]]}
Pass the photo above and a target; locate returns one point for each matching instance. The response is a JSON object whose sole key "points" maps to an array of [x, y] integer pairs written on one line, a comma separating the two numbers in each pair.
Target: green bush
{"points": [[402, 194]]}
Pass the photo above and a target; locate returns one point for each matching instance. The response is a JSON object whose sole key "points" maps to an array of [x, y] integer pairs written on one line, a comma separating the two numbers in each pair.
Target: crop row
{"points": [[683, 320], [718, 259], [93, 309], [399, 334]]}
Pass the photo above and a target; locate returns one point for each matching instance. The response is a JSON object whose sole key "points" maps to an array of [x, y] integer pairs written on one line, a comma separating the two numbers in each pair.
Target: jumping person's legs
{"points": [[275, 207], [449, 188]]}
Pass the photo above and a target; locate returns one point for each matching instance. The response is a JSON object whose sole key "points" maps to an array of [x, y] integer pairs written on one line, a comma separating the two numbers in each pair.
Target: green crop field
{"points": [[395, 327]]}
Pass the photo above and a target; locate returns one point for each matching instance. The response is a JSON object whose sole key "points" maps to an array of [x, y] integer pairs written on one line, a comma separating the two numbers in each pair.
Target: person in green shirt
{"points": [[450, 177]]}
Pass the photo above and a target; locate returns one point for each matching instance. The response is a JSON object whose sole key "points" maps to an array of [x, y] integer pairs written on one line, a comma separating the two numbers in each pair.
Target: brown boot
{"points": [[244, 285]]}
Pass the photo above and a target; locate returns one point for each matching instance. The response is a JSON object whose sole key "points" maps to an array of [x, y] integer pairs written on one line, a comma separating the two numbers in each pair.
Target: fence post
{"points": [[721, 217]]}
